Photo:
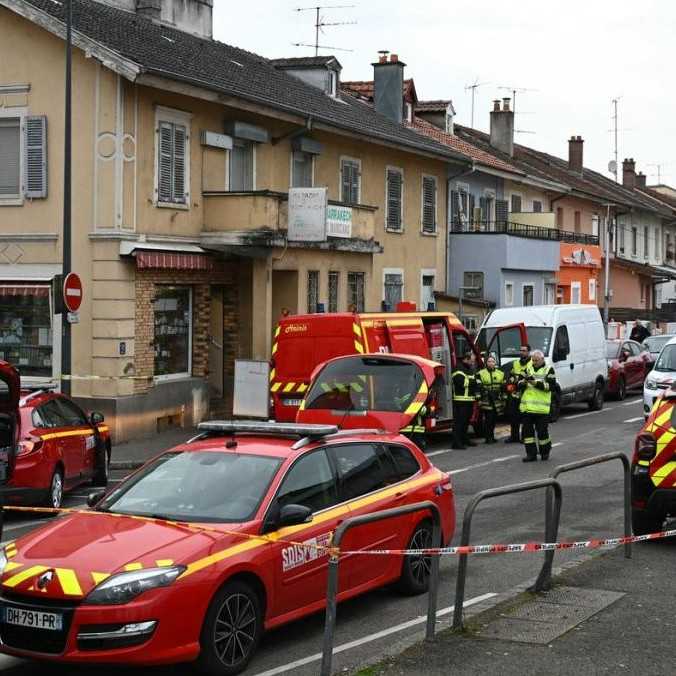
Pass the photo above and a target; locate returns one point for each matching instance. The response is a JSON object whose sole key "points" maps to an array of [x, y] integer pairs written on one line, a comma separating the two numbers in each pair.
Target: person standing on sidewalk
{"points": [[519, 368], [535, 407], [491, 381], [464, 396]]}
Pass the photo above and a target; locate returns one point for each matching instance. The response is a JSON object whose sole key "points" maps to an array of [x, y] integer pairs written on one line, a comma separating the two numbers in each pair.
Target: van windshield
{"points": [[539, 338], [365, 384]]}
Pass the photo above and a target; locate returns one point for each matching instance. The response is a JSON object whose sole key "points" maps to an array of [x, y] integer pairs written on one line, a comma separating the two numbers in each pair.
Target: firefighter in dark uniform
{"points": [[464, 396], [519, 367], [535, 407], [491, 382]]}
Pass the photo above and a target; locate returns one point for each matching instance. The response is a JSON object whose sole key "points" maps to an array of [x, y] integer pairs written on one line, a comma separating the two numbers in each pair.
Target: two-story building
{"points": [[184, 153]]}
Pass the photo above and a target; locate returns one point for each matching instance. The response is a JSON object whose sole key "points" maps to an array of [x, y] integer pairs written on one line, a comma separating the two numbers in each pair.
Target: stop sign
{"points": [[72, 292]]}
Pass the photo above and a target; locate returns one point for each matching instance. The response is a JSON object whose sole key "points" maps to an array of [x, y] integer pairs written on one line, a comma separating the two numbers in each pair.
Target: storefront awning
{"points": [[24, 290], [163, 260]]}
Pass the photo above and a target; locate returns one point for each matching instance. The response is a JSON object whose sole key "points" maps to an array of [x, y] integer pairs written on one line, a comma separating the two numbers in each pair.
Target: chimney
{"points": [[502, 127], [151, 9], [641, 180], [576, 153], [629, 173], [388, 87]]}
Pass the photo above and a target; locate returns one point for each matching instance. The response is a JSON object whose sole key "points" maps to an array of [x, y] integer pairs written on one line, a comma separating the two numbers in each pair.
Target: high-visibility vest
{"points": [[534, 400], [493, 381], [518, 369], [465, 396]]}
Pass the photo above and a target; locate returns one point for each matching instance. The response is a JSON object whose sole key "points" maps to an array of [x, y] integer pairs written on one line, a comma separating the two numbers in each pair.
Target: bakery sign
{"points": [[581, 257]]}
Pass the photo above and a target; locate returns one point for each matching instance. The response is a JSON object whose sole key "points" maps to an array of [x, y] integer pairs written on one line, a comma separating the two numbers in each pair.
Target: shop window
{"points": [[355, 291], [334, 282], [172, 310], [26, 329], [301, 170]]}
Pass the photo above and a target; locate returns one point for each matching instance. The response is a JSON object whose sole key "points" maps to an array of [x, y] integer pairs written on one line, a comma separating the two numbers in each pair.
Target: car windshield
{"points": [[655, 343], [203, 486], [667, 359], [365, 384], [611, 349]]}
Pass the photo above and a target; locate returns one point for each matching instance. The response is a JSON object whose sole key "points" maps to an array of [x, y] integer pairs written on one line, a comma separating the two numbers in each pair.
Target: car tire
{"points": [[236, 603], [100, 478], [55, 492], [596, 402], [643, 523], [555, 411], [415, 570], [621, 389]]}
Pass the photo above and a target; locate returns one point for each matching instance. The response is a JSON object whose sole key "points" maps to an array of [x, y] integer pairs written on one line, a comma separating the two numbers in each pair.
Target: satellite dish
{"points": [[612, 167]]}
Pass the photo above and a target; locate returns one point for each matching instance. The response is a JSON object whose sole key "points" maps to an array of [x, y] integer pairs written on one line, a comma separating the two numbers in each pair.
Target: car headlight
{"points": [[650, 385], [124, 587], [3, 560]]}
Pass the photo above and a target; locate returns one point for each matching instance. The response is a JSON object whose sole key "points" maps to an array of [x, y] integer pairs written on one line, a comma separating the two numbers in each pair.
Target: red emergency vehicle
{"points": [[303, 342]]}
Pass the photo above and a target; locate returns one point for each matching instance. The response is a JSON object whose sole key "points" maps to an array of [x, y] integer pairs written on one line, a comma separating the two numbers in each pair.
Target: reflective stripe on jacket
{"points": [[517, 373], [463, 390], [491, 384], [538, 399]]}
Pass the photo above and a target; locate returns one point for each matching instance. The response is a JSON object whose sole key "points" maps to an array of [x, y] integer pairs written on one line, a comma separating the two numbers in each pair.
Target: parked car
{"points": [[627, 367], [653, 345], [660, 378], [60, 447]]}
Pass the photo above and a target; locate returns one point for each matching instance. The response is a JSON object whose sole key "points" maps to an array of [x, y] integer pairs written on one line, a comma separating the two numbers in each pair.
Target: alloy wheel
{"points": [[235, 630], [421, 565], [57, 490]]}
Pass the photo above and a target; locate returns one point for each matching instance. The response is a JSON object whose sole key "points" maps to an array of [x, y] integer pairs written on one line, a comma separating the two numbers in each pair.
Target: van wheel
{"points": [[415, 570], [232, 630], [643, 523], [596, 402]]}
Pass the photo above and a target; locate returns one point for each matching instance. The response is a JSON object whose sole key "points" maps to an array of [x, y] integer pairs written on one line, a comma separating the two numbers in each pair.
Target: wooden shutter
{"points": [[35, 159], [179, 191], [429, 204], [501, 211], [165, 165], [393, 199]]}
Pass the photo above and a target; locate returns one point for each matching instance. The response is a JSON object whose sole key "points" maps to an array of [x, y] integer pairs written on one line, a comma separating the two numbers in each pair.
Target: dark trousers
{"points": [[490, 416], [514, 418], [462, 412], [532, 425]]}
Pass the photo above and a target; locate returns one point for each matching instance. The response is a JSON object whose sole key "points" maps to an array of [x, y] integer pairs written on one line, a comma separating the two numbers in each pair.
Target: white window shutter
{"points": [[179, 163], [164, 162], [35, 159]]}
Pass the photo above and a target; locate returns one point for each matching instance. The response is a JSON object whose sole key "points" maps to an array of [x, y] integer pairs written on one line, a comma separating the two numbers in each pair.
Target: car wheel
{"points": [[643, 523], [100, 478], [621, 389], [415, 569], [55, 494], [232, 630], [596, 402], [555, 412]]}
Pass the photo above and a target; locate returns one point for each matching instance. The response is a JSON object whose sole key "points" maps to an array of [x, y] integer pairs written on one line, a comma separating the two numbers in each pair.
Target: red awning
{"points": [[163, 260], [24, 290]]}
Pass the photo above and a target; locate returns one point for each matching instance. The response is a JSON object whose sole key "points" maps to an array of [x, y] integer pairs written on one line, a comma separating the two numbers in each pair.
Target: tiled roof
{"points": [[305, 61], [364, 88], [660, 196], [170, 53], [438, 105]]}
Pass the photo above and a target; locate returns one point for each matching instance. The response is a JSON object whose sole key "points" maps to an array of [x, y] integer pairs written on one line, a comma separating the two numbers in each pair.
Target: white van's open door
{"points": [[502, 342]]}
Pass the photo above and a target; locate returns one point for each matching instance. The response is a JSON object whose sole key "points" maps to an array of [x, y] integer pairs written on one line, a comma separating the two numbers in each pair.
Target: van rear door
{"points": [[407, 336]]}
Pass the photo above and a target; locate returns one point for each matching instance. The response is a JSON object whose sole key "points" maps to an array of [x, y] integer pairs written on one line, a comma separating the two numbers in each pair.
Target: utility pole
{"points": [[606, 285], [474, 87], [616, 172], [67, 152]]}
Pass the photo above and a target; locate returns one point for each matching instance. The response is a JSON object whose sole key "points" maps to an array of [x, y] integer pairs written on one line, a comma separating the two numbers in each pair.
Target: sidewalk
{"points": [[632, 634], [132, 454]]}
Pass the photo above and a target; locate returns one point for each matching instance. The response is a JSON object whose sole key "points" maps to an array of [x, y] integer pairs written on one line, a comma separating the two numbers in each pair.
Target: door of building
{"points": [[216, 343]]}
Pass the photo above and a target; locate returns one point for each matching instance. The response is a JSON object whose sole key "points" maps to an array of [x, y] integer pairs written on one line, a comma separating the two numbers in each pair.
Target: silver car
{"points": [[661, 377]]}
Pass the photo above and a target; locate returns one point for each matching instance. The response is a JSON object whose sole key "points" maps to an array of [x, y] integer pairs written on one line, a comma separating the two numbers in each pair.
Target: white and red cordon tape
{"points": [[515, 548]]}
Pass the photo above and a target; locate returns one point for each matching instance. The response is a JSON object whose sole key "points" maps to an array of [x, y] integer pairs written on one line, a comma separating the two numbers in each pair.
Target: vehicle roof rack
{"points": [[274, 429]]}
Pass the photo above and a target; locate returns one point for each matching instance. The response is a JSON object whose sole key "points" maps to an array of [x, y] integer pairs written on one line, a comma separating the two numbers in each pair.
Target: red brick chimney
{"points": [[629, 173], [576, 153], [641, 180]]}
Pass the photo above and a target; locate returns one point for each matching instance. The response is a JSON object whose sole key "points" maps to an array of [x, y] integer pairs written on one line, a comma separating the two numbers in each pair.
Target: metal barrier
{"points": [[544, 580], [334, 560], [467, 524]]}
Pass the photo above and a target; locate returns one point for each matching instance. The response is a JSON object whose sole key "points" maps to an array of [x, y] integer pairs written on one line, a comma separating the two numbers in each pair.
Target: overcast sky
{"points": [[576, 56]]}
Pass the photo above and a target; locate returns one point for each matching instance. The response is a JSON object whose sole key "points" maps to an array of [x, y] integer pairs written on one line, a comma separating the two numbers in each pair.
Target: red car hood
{"points": [[84, 549]]}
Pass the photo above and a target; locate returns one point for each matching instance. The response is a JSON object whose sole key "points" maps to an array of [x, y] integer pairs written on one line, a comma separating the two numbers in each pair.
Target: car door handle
{"points": [[572, 366]]}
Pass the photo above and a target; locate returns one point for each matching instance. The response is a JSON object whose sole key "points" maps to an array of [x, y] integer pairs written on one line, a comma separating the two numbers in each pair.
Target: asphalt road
{"points": [[374, 624]]}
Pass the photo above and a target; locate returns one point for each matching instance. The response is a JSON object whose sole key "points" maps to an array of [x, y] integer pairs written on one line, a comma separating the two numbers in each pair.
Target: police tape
{"points": [[529, 547]]}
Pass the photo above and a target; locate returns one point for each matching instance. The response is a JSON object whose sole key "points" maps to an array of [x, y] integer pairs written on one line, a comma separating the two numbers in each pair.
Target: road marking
{"points": [[482, 464], [370, 637], [633, 419], [558, 443], [582, 415], [630, 403]]}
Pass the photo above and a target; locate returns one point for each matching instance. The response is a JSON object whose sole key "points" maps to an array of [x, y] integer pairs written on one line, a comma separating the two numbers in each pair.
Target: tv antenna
{"points": [[613, 166], [474, 87], [320, 23], [515, 90], [659, 171]]}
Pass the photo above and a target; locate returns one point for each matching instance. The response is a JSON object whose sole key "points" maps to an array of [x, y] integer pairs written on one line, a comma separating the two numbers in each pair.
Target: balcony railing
{"points": [[521, 230]]}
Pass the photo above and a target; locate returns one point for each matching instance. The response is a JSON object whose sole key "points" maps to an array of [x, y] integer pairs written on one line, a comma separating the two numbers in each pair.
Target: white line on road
{"points": [[630, 403], [482, 464], [558, 443], [582, 415], [633, 419], [370, 637]]}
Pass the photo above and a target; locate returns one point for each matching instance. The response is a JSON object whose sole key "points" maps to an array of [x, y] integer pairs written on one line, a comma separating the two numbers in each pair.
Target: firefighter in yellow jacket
{"points": [[491, 383], [535, 407]]}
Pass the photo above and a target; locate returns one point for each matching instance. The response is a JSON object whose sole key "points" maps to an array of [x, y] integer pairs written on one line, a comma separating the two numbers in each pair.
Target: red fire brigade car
{"points": [[166, 568]]}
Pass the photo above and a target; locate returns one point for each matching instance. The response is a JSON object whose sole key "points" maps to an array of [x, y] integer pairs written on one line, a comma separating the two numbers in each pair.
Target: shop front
{"points": [[577, 280]]}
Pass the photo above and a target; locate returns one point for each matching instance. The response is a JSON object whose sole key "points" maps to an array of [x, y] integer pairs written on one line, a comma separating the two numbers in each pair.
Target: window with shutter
{"points": [[334, 282], [172, 163], [429, 204], [394, 201], [312, 291], [242, 166], [483, 205], [350, 172], [470, 213], [35, 162], [537, 206], [516, 204], [501, 211], [455, 213], [10, 160]]}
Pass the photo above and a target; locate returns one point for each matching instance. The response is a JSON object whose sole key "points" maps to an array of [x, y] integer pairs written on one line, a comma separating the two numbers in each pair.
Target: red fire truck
{"points": [[302, 342]]}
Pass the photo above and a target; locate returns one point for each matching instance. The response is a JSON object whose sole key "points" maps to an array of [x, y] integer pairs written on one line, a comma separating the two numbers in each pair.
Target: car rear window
{"points": [[406, 465]]}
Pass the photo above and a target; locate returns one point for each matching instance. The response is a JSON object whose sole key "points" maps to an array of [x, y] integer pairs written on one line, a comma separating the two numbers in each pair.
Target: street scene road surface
{"points": [[371, 625]]}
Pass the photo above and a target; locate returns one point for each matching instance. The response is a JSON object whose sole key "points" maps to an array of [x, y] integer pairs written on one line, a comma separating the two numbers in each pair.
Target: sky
{"points": [[572, 57]]}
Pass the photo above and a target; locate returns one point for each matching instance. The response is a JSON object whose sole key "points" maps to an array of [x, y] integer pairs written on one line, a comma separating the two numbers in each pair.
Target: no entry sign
{"points": [[72, 292]]}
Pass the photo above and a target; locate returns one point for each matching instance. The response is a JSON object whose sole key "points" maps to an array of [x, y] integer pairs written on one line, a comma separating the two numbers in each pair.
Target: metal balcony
{"points": [[521, 230]]}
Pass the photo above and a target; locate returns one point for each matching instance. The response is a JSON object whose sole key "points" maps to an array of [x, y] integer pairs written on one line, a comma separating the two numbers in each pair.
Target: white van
{"points": [[573, 342]]}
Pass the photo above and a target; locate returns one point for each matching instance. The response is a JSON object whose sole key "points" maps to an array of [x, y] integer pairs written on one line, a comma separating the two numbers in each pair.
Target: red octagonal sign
{"points": [[72, 292]]}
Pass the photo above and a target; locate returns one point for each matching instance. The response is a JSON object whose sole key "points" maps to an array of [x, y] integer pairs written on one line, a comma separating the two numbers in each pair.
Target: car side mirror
{"points": [[94, 497], [289, 515], [96, 418]]}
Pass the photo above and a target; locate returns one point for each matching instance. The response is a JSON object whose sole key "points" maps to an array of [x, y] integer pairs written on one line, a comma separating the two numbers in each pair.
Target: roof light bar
{"points": [[271, 428], [301, 443]]}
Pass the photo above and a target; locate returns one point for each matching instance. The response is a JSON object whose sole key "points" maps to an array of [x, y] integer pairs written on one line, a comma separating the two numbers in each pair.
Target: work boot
{"points": [[469, 442], [544, 456], [529, 458]]}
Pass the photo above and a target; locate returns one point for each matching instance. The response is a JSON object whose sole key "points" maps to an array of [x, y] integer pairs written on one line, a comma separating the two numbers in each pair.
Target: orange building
{"points": [[578, 278]]}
